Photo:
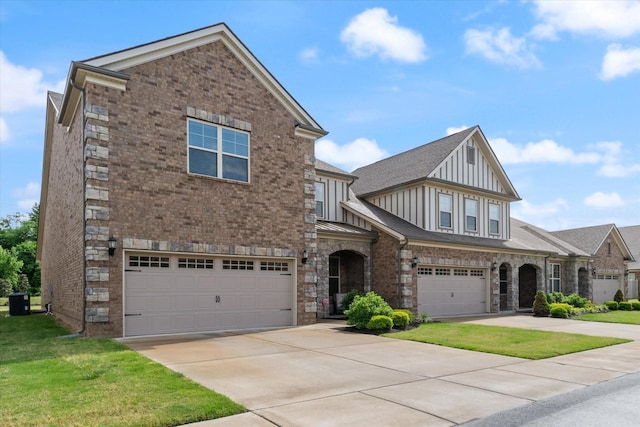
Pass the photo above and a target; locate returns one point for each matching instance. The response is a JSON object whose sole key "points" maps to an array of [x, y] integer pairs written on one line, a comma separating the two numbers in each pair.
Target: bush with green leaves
{"points": [[576, 300], [400, 319], [611, 305], [618, 297], [540, 305], [380, 323], [635, 304], [559, 310], [555, 297], [348, 298], [625, 305], [364, 307]]}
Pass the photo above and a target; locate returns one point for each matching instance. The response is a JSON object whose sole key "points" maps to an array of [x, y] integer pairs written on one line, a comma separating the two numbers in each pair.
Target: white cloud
{"points": [[619, 62], [4, 131], [20, 87], [612, 160], [453, 129], [350, 156], [501, 47], [602, 200], [309, 55], [545, 151], [27, 196], [374, 32], [528, 211], [610, 19]]}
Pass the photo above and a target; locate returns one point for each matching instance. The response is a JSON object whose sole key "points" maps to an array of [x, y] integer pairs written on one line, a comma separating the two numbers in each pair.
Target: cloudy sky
{"points": [[555, 86]]}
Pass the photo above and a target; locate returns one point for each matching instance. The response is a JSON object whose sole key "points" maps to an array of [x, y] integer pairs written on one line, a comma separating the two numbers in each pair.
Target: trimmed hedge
{"points": [[559, 310], [380, 323], [611, 305], [540, 305], [625, 305], [364, 307]]}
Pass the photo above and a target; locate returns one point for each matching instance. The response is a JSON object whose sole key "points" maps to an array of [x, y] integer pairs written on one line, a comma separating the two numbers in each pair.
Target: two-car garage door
{"points": [[166, 294], [447, 291]]}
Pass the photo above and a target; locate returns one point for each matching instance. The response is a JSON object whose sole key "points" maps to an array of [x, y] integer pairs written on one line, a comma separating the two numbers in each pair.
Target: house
{"points": [[177, 192], [611, 257], [631, 236], [180, 193]]}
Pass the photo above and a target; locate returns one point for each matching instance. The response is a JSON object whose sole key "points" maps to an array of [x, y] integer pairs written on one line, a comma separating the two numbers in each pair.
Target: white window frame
{"points": [[554, 277], [219, 151], [320, 199], [471, 154], [441, 197], [467, 215], [494, 218]]}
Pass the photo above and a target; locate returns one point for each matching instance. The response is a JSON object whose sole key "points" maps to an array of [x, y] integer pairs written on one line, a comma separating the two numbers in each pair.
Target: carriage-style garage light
{"points": [[593, 272], [494, 266], [414, 262], [305, 256], [112, 245]]}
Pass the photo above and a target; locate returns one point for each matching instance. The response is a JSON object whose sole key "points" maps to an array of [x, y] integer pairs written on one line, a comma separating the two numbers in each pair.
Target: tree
{"points": [[10, 266], [19, 233]]}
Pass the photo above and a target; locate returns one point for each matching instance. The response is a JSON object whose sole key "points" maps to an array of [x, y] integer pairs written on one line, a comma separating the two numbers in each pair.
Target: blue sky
{"points": [[555, 86]]}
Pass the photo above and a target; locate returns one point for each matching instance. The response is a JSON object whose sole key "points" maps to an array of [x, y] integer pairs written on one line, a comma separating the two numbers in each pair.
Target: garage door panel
{"points": [[604, 290], [184, 299], [449, 294]]}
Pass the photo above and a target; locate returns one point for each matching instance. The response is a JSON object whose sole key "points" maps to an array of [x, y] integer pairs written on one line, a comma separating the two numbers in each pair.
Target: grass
{"points": [[617, 316], [51, 381], [516, 342]]}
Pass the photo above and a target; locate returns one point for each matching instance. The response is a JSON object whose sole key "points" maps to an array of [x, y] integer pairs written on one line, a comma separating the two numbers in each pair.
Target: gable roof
{"points": [[418, 164], [111, 67], [332, 170], [631, 236], [590, 239]]}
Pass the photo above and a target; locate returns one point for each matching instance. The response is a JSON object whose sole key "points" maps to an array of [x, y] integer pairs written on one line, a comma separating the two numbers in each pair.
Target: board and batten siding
{"points": [[356, 221], [479, 174], [419, 206], [335, 191]]}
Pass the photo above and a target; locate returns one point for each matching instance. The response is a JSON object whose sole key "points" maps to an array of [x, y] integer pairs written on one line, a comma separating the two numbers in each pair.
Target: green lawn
{"points": [[51, 381], [524, 343], [617, 316]]}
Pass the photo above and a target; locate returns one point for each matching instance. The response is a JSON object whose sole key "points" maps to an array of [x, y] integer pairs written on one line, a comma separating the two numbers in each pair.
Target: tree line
{"points": [[19, 271]]}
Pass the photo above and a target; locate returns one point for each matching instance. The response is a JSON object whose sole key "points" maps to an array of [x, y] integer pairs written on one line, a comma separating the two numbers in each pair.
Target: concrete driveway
{"points": [[322, 375]]}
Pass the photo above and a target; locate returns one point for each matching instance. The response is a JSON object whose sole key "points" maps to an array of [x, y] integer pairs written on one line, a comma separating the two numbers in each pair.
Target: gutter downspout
{"points": [[84, 210]]}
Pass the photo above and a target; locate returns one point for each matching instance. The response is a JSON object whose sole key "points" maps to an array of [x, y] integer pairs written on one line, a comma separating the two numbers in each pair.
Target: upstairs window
{"points": [[471, 155], [319, 199], [494, 218], [445, 209], [218, 151], [471, 214]]}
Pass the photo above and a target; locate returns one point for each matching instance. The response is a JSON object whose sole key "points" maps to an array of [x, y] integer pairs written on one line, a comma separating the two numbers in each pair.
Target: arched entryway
{"points": [[346, 272], [527, 286], [583, 283]]}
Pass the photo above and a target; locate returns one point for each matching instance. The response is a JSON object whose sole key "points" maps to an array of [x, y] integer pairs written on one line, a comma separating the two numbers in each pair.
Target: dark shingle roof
{"points": [[340, 228], [407, 167], [326, 167], [588, 239], [56, 98], [631, 236]]}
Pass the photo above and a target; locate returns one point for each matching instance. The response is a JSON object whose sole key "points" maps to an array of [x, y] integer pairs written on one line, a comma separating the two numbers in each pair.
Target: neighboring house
{"points": [[611, 258], [193, 161], [180, 193], [631, 236]]}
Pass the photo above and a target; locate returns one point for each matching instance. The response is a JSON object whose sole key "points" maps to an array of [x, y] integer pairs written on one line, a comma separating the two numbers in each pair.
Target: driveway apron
{"points": [[324, 375]]}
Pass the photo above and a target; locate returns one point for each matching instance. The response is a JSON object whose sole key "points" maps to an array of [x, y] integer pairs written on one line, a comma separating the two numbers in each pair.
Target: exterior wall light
{"points": [[305, 256], [593, 272], [113, 243], [414, 262], [494, 266]]}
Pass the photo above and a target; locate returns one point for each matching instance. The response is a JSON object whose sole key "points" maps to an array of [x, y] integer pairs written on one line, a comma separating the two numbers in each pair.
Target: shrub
{"points": [[611, 305], [618, 297], [380, 323], [625, 305], [555, 297], [559, 310], [400, 318], [409, 313], [576, 300], [540, 305], [635, 304], [348, 298], [364, 307]]}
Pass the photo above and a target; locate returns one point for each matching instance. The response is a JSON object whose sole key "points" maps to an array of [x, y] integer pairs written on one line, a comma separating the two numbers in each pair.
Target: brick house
{"points": [[180, 193], [611, 258], [631, 236]]}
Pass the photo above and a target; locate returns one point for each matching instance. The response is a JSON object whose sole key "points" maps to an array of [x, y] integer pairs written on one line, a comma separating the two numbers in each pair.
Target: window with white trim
{"points": [[445, 208], [237, 264], [319, 199], [471, 214], [471, 155], [494, 218], [196, 263], [554, 277], [218, 151], [148, 261]]}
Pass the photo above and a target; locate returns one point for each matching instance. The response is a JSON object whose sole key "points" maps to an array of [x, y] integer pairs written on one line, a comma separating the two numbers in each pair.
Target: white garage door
{"points": [[444, 291], [177, 294], [605, 287]]}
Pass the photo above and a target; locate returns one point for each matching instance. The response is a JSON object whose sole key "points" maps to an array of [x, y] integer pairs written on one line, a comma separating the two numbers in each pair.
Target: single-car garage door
{"points": [[181, 293], [605, 287], [445, 291]]}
